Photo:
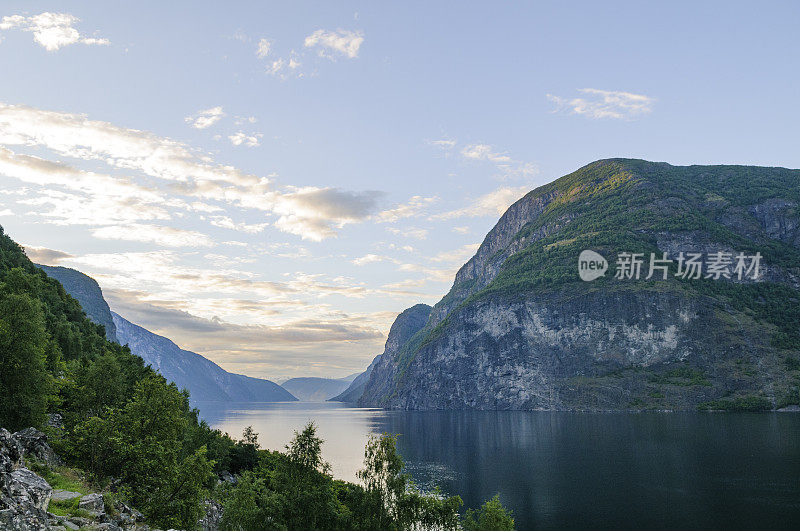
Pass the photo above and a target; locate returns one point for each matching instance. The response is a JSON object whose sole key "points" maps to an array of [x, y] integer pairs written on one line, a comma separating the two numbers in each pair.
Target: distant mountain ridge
{"points": [[205, 380], [311, 389], [86, 291]]}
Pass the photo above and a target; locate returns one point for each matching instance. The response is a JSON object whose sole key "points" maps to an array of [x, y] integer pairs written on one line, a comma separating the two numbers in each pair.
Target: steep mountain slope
{"points": [[520, 330], [205, 380], [310, 389], [87, 292], [408, 323]]}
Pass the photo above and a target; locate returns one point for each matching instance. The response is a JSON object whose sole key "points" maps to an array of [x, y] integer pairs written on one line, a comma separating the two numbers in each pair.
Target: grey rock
{"points": [[26, 485], [92, 502], [63, 495], [34, 443]]}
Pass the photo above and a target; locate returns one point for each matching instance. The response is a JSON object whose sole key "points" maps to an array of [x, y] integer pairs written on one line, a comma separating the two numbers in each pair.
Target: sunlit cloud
{"points": [[160, 235], [494, 203], [597, 104], [205, 118], [329, 44], [51, 30]]}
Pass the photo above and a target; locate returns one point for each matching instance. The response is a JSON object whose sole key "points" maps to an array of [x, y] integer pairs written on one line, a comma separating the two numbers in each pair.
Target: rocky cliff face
{"points": [[86, 290], [205, 380], [520, 330]]}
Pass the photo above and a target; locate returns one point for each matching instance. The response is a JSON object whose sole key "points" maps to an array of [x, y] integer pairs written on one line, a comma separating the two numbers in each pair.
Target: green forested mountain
{"points": [[520, 330]]}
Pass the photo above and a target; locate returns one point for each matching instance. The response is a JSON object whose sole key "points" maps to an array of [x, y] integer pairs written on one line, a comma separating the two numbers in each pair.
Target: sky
{"points": [[269, 184]]}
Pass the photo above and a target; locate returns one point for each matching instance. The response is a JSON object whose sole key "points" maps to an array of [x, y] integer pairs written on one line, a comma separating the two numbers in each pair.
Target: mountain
{"points": [[519, 329], [408, 323], [309, 389], [205, 380], [87, 292]]}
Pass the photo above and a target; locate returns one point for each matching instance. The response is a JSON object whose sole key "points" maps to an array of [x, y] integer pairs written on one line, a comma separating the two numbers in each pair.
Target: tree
{"points": [[25, 384], [492, 516], [403, 504], [305, 450]]}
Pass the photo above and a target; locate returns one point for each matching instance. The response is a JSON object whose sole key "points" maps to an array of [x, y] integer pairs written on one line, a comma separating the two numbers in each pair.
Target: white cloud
{"points": [[414, 207], [157, 234], [371, 259], [343, 42], [205, 118], [241, 138], [51, 30], [227, 223], [494, 203], [605, 104], [484, 152], [311, 212], [443, 143], [263, 49], [43, 255], [411, 232], [461, 230]]}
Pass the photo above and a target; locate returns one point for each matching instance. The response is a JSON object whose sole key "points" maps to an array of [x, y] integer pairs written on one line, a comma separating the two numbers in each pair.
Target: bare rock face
{"points": [[34, 443], [24, 496], [520, 330]]}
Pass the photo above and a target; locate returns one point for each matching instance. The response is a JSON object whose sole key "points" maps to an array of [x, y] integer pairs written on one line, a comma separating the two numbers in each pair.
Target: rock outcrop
{"points": [[520, 330], [24, 496]]}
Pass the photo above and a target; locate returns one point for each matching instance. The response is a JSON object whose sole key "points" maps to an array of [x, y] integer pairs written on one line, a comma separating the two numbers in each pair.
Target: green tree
{"points": [[25, 384], [492, 516], [405, 507]]}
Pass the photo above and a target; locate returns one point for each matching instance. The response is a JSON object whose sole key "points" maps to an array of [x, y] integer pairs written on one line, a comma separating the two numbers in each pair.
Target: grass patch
{"points": [[68, 508], [682, 376], [61, 477]]}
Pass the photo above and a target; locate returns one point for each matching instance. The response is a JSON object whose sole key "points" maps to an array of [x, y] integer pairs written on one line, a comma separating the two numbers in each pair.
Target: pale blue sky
{"points": [[391, 145]]}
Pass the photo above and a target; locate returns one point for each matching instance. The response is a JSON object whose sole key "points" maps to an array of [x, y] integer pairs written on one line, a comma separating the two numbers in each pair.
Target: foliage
{"points": [[296, 491], [492, 516]]}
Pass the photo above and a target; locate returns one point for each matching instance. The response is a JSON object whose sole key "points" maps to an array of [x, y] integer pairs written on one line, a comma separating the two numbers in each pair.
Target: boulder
{"points": [[93, 502], [27, 486], [63, 495], [34, 443]]}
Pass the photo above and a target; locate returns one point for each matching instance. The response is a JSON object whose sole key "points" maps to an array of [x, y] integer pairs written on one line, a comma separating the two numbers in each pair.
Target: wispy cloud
{"points": [[250, 140], [494, 203], [188, 176], [51, 30], [43, 255], [414, 207], [341, 42], [205, 118], [264, 46], [160, 235], [597, 104]]}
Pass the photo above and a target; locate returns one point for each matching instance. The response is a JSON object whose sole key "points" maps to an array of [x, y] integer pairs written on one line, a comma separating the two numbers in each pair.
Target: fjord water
{"points": [[570, 470]]}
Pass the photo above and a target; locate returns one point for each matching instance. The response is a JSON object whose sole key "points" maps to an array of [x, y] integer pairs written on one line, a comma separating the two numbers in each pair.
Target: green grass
{"points": [[68, 508], [60, 478]]}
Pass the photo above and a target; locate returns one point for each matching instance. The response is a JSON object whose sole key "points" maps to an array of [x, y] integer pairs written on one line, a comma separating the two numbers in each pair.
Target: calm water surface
{"points": [[570, 470]]}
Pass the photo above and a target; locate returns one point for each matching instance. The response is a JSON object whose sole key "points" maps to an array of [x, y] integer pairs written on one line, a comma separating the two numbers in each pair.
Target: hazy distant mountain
{"points": [[86, 290], [205, 380], [316, 389], [408, 323]]}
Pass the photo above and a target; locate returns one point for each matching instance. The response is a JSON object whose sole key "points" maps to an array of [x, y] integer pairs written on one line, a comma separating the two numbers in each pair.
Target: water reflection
{"points": [[571, 470]]}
